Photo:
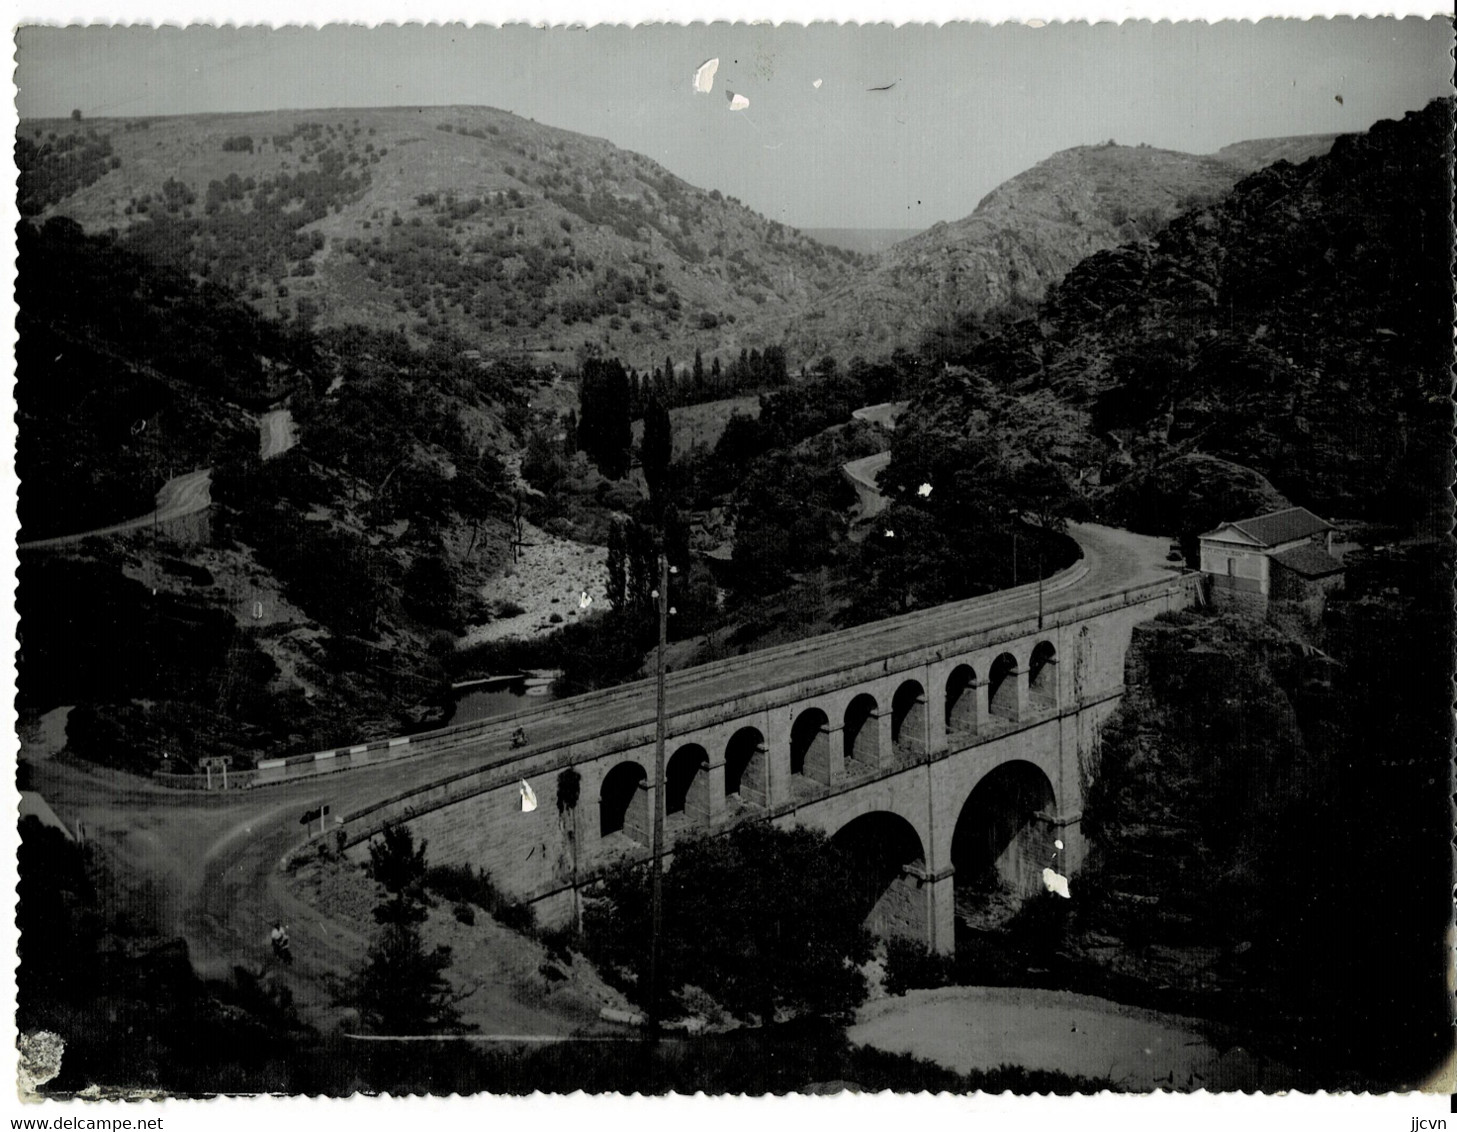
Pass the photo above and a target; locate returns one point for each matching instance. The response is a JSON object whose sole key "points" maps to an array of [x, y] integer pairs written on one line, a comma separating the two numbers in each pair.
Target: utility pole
{"points": [[659, 800], [1039, 585]]}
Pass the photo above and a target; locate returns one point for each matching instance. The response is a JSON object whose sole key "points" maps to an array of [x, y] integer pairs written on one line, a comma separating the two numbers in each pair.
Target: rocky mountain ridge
{"points": [[1024, 236]]}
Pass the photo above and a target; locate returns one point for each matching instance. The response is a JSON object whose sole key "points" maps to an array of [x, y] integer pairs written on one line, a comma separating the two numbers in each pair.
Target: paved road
{"points": [[277, 433], [1113, 561], [864, 475], [181, 495]]}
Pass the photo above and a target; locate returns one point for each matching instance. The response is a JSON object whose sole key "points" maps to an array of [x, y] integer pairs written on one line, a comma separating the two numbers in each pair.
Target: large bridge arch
{"points": [[1004, 832], [887, 860]]}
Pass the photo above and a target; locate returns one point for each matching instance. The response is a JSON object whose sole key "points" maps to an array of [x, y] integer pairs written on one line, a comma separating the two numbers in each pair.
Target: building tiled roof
{"points": [[1309, 561], [1280, 526]]}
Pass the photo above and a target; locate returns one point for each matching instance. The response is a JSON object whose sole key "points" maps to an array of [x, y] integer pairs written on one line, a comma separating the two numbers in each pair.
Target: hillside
{"points": [[1024, 236], [466, 221], [1300, 327]]}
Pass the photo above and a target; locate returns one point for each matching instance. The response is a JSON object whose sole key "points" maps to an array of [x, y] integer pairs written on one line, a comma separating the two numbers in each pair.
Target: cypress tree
{"points": [[657, 449]]}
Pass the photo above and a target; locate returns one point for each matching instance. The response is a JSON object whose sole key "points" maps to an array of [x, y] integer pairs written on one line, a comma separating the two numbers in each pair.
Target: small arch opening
{"points": [[961, 701], [862, 730], [746, 767], [908, 717], [1002, 688], [686, 779], [809, 746], [624, 802], [1042, 675]]}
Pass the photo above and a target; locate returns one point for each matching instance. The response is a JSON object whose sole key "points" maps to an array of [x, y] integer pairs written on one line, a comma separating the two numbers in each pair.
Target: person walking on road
{"points": [[278, 937]]}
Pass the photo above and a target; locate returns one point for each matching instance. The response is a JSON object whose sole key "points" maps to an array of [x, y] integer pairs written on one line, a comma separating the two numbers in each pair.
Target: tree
{"points": [[402, 987], [766, 920], [396, 863], [568, 794], [76, 115], [657, 449], [617, 567], [604, 430], [430, 589]]}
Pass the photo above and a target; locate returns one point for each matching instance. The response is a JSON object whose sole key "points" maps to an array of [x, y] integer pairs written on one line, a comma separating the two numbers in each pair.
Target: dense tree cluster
{"points": [[604, 429], [766, 920], [53, 168]]}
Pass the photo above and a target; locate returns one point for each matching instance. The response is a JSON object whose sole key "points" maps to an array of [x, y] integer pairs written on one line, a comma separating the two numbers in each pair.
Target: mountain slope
{"points": [[1301, 327], [1024, 236], [467, 222]]}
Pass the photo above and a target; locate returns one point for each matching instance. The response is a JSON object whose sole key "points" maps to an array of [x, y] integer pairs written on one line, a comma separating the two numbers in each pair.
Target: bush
{"points": [[464, 887], [909, 966]]}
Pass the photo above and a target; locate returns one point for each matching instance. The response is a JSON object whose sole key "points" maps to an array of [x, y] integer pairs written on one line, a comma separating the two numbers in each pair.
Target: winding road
{"points": [[207, 867], [181, 495], [186, 494]]}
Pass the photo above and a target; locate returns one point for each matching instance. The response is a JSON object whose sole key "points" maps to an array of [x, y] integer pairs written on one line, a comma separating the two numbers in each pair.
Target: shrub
{"points": [[464, 887], [909, 966]]}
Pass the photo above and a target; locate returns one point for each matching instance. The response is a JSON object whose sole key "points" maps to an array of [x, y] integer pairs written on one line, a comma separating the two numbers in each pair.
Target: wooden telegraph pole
{"points": [[659, 801]]}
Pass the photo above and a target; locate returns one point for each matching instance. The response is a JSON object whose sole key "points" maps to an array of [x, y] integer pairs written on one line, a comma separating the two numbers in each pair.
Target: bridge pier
{"points": [[828, 769], [885, 738], [940, 894], [1009, 701], [717, 801]]}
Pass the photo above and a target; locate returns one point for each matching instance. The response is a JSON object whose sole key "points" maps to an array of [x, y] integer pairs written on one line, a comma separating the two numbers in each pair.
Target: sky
{"points": [[968, 105]]}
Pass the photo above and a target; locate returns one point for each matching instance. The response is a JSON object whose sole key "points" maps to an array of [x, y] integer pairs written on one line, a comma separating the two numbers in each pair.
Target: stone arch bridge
{"points": [[947, 742]]}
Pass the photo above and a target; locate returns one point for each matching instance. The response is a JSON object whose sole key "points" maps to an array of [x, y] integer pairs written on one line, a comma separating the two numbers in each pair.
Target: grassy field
{"points": [[702, 425]]}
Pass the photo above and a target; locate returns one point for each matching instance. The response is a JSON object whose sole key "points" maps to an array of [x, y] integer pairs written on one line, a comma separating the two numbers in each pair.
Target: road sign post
{"points": [[217, 762], [320, 811]]}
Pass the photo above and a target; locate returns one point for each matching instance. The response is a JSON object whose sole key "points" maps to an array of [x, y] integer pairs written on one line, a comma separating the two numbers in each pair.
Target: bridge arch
{"points": [[961, 715], [809, 745], [908, 716], [746, 767], [623, 802], [1004, 836], [862, 730], [1002, 698], [686, 780], [887, 860], [1042, 675]]}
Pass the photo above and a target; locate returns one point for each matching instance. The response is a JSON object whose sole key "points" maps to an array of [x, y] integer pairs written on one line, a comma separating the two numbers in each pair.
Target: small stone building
{"points": [[1282, 556]]}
